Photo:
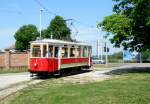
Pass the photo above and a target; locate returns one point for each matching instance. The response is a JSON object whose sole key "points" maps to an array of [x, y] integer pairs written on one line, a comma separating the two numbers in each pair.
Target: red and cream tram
{"points": [[50, 55]]}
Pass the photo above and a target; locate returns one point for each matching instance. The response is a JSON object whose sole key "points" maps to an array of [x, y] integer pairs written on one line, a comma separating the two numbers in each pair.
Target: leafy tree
{"points": [[118, 25], [130, 24], [58, 29], [117, 56], [24, 35], [146, 55]]}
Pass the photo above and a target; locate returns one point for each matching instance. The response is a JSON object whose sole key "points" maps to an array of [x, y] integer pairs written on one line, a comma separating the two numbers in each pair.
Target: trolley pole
{"points": [[41, 10]]}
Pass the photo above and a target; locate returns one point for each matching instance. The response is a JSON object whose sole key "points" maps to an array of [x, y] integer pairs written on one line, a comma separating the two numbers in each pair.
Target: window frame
{"points": [[31, 53]]}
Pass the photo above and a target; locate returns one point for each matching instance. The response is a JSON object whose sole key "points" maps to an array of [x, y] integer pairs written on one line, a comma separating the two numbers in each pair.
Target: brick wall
{"points": [[13, 60], [2, 60]]}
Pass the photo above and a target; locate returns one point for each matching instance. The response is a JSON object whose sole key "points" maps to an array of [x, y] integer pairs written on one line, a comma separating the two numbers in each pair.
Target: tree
{"points": [[146, 56], [58, 29], [24, 35], [130, 24]]}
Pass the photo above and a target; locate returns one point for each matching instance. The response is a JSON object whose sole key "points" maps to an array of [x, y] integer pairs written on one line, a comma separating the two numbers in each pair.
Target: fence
{"points": [[13, 60]]}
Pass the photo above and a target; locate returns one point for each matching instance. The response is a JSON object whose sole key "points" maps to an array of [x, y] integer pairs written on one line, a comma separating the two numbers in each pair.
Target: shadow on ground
{"points": [[62, 73], [121, 71]]}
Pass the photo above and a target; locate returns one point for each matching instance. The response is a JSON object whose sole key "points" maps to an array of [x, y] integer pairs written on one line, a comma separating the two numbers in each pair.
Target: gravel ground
{"points": [[93, 76]]}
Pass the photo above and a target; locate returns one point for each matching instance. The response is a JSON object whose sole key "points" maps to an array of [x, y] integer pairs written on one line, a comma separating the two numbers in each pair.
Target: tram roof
{"points": [[60, 42]]}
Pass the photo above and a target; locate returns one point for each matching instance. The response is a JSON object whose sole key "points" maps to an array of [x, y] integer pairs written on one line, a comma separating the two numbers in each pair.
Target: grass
{"points": [[132, 88], [14, 70]]}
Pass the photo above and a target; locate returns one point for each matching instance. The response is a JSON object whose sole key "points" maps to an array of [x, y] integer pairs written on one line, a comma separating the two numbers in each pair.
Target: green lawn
{"points": [[133, 88], [14, 70]]}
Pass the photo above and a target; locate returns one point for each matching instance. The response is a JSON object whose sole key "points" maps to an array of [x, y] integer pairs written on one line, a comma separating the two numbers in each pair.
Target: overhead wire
{"points": [[43, 7], [72, 20], [50, 12]]}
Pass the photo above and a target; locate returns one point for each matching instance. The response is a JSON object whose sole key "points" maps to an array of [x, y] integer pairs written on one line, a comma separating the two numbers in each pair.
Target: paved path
{"points": [[7, 80]]}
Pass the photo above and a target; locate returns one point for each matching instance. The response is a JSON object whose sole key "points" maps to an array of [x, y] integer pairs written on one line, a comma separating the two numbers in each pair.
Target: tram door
{"points": [[53, 58], [56, 56]]}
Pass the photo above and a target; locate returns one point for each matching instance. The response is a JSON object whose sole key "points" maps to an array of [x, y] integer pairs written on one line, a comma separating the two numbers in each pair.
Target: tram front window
{"points": [[36, 51]]}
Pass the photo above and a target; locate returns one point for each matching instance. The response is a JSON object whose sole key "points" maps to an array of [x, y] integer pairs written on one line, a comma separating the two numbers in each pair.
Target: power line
{"points": [[50, 12], [43, 7], [85, 24]]}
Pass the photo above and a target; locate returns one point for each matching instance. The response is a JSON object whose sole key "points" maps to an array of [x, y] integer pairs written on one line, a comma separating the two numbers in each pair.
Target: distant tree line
{"points": [[26, 33]]}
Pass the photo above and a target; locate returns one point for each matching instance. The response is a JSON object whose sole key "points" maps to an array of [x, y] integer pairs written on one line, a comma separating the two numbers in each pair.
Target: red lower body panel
{"points": [[43, 65], [49, 65]]}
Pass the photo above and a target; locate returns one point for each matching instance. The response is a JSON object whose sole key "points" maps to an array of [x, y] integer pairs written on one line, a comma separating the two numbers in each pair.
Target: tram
{"points": [[50, 55]]}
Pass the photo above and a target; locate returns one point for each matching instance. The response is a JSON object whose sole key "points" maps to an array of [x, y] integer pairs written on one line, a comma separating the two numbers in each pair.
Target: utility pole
{"points": [[123, 55], [100, 45], [41, 10], [140, 57], [98, 49], [106, 50]]}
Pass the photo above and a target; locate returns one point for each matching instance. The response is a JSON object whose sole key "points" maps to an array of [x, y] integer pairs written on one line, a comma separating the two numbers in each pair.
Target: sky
{"points": [[85, 13]]}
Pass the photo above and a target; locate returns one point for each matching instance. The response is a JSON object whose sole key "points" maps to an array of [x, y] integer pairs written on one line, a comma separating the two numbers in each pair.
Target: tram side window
{"points": [[72, 52], [36, 51], [79, 52], [44, 50], [56, 52], [85, 52], [64, 52], [50, 51], [89, 51]]}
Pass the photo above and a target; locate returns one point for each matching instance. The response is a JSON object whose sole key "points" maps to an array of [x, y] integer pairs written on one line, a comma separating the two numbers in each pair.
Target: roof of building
{"points": [[60, 42], [11, 47]]}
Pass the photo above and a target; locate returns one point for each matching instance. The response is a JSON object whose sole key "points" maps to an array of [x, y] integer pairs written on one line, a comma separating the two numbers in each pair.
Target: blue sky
{"points": [[15, 13]]}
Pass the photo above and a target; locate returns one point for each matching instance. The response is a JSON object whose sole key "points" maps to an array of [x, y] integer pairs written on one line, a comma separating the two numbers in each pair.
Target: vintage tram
{"points": [[50, 55]]}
